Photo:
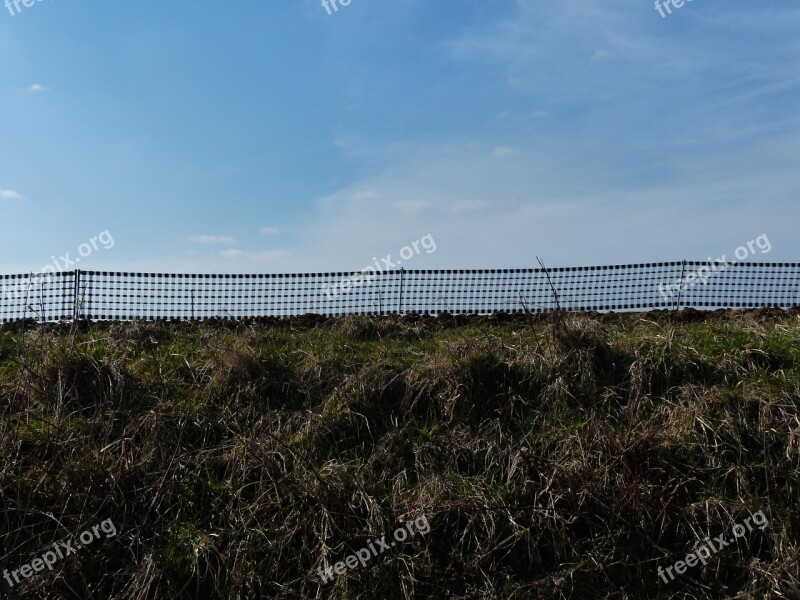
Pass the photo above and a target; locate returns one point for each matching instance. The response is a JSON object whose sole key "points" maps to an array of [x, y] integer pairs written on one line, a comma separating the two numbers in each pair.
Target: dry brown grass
{"points": [[554, 456]]}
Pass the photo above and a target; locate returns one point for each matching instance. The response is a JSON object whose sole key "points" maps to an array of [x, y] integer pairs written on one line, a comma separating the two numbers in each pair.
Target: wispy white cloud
{"points": [[258, 255], [504, 152], [543, 50], [36, 88], [364, 195], [600, 55], [210, 240], [568, 202], [10, 195], [270, 230]]}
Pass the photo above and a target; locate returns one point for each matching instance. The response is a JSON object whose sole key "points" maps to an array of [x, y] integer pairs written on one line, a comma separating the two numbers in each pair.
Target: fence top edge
{"points": [[396, 272]]}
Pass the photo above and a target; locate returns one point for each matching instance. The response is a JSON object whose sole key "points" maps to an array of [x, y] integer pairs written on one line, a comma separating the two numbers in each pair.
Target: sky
{"points": [[274, 137]]}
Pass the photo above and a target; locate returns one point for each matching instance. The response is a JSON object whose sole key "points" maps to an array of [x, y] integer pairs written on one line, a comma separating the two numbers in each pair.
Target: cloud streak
{"points": [[210, 240], [10, 195]]}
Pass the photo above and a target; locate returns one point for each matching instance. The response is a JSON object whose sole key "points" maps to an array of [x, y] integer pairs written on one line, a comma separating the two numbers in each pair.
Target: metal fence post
{"points": [[400, 309], [76, 295], [680, 287]]}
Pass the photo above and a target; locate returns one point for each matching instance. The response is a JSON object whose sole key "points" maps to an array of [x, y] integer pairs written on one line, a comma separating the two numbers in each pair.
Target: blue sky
{"points": [[274, 137]]}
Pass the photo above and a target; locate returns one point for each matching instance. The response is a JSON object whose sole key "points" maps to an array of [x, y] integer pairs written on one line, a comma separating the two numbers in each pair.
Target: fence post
{"points": [[76, 295], [402, 272], [680, 287]]}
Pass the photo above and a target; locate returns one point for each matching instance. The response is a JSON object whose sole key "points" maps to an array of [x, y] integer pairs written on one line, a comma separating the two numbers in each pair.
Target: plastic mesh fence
{"points": [[44, 297], [104, 295]]}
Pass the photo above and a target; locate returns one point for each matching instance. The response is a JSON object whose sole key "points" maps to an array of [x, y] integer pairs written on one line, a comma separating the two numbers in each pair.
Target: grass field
{"points": [[550, 456]]}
